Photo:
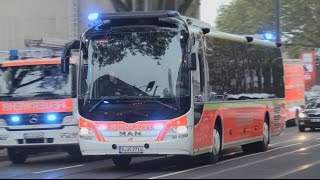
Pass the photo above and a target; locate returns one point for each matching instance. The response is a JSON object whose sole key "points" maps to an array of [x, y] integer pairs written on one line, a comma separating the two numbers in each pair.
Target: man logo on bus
{"points": [[132, 134]]}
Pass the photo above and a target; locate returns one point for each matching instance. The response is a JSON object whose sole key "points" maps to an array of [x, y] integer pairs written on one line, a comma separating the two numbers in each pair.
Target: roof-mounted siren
{"points": [[206, 30], [93, 16], [249, 39], [13, 54], [132, 15], [279, 44]]}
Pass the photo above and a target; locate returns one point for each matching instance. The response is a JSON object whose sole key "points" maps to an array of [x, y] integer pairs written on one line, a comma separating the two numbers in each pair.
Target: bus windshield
{"points": [[136, 76], [37, 82]]}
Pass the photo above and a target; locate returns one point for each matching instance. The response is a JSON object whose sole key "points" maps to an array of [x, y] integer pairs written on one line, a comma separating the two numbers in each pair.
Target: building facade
{"points": [[36, 19]]}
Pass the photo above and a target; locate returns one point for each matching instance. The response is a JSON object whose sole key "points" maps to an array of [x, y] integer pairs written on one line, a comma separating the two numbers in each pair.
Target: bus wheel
{"points": [[122, 162], [214, 156], [260, 146], [264, 144], [16, 156]]}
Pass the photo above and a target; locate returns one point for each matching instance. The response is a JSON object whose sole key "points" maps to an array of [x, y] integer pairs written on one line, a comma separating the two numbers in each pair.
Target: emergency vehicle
{"points": [[37, 108], [295, 89], [158, 83]]}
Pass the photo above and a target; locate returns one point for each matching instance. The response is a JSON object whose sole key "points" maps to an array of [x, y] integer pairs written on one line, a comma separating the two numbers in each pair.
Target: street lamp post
{"points": [[278, 20]]}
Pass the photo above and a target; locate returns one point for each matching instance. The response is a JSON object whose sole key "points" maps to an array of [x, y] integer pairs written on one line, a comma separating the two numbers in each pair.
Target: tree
{"points": [[300, 21]]}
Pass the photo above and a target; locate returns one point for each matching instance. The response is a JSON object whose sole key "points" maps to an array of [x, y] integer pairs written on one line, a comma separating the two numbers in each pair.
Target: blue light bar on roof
{"points": [[133, 15], [93, 16]]}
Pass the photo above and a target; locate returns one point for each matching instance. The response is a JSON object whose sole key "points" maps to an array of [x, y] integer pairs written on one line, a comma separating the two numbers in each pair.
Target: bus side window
{"points": [[199, 78]]}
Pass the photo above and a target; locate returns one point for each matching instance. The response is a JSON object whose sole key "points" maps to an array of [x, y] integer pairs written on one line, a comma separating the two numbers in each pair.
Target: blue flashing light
{"points": [[52, 117], [15, 119], [13, 54], [269, 36], [93, 16]]}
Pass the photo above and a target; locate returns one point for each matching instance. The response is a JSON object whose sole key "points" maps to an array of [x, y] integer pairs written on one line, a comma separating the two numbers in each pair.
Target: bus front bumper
{"points": [[68, 135], [177, 147]]}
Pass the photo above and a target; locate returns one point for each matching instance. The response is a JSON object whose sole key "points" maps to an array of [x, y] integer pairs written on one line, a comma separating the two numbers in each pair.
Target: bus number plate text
{"points": [[131, 150]]}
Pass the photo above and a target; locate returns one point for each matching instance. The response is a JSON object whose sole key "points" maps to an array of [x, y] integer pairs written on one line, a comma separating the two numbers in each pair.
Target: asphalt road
{"points": [[292, 155]]}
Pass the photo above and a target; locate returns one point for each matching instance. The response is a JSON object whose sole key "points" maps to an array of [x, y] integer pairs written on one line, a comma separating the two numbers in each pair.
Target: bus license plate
{"points": [[315, 120], [37, 135], [131, 150]]}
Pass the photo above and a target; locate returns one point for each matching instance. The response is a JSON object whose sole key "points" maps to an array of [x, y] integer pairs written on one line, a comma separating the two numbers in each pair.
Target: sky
{"points": [[209, 9]]}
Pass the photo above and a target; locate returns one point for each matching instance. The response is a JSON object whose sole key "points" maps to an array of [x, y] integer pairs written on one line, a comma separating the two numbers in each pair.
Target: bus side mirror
{"points": [[150, 86], [192, 65], [65, 60]]}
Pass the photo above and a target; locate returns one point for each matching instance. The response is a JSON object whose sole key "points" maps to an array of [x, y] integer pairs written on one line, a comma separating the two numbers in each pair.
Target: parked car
{"points": [[310, 118]]}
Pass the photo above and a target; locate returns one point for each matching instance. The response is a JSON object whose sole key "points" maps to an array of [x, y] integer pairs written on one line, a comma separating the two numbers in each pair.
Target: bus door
{"points": [[202, 120]]}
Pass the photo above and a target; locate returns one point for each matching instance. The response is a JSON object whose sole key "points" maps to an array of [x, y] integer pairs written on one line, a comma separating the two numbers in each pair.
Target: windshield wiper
{"points": [[113, 98], [151, 100], [164, 104]]}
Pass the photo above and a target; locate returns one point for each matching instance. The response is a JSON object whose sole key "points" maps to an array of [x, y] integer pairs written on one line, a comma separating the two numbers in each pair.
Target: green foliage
{"points": [[300, 21], [247, 17]]}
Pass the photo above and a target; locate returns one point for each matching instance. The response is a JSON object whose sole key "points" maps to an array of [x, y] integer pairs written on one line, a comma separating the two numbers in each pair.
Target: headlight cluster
{"points": [[3, 123], [180, 132], [303, 115], [70, 120], [87, 134]]}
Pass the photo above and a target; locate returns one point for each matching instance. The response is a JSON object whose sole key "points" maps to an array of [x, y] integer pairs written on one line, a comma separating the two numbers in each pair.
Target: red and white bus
{"points": [[157, 83]]}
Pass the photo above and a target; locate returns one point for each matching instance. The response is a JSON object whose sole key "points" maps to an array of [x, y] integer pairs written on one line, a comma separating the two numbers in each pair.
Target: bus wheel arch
{"points": [[260, 146], [267, 120], [214, 156], [218, 124]]}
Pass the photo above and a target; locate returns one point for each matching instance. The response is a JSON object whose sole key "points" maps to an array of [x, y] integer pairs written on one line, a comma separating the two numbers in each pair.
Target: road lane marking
{"points": [[210, 165], [256, 162], [251, 155], [59, 169], [301, 138], [180, 172], [273, 144], [301, 168]]}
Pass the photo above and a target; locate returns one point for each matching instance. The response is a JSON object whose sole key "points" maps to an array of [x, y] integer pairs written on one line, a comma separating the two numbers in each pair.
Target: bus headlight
{"points": [[3, 123], [87, 134], [180, 132], [303, 115], [70, 120]]}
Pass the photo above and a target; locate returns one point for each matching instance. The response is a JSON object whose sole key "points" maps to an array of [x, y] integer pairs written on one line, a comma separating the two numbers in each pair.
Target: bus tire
{"points": [[17, 156], [122, 162], [214, 156], [261, 146]]}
